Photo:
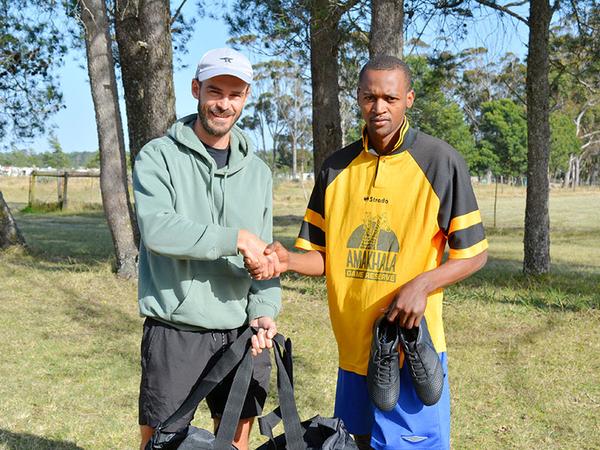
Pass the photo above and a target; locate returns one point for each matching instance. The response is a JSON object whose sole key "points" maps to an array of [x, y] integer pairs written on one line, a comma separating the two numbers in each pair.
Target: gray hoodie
{"points": [[189, 214]]}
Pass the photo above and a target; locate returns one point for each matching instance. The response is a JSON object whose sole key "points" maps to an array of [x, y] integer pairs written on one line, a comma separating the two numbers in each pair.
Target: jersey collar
{"points": [[398, 147]]}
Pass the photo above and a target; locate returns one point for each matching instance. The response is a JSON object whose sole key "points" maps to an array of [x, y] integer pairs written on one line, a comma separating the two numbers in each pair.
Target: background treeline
{"points": [[57, 159], [527, 119], [468, 98]]}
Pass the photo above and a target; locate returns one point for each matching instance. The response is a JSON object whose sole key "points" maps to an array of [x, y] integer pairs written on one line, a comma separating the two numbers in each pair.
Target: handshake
{"points": [[262, 261]]}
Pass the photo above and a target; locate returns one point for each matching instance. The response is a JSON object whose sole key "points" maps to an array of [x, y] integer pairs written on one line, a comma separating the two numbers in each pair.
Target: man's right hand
{"points": [[253, 248], [275, 253]]}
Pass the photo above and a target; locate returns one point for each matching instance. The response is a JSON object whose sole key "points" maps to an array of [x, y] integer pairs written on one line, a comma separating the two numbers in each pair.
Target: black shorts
{"points": [[172, 362]]}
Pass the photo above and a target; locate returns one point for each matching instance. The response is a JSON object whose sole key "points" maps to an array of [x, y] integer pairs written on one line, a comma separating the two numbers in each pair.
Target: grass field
{"points": [[524, 354]]}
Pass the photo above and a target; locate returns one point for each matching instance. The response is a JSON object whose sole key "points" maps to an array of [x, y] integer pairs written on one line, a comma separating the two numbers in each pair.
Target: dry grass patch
{"points": [[524, 353]]}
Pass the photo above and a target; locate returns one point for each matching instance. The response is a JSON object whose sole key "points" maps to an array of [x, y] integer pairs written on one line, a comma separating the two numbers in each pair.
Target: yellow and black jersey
{"points": [[381, 221]]}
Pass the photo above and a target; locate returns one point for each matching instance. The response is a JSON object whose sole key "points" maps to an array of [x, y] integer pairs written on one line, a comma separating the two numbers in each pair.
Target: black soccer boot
{"points": [[383, 373], [423, 363]]}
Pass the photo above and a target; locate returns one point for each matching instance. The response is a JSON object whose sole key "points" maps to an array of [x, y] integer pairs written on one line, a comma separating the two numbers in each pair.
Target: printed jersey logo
{"points": [[372, 250], [371, 199]]}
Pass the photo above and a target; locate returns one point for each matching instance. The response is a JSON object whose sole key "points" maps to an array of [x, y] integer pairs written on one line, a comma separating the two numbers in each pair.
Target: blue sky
{"points": [[75, 124]]}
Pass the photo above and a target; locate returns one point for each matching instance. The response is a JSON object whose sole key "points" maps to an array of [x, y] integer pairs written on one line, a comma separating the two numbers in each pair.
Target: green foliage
{"points": [[271, 27], [435, 114], [279, 117], [19, 158], [575, 64], [304, 157], [504, 130], [32, 49], [563, 142], [56, 159], [94, 161]]}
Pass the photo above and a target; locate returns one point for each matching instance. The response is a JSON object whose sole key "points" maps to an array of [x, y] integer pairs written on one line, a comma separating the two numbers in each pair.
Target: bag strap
{"points": [[228, 361], [269, 421], [235, 402], [287, 410]]}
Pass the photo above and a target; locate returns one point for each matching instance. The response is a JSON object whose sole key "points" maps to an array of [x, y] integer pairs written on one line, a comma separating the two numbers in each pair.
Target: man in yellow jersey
{"points": [[377, 223]]}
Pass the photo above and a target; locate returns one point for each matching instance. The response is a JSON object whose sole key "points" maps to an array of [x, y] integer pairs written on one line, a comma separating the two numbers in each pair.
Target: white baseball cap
{"points": [[224, 61]]}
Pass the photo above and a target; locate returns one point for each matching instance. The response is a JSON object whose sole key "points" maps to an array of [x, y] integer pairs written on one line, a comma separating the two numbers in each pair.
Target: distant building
{"points": [[11, 171]]}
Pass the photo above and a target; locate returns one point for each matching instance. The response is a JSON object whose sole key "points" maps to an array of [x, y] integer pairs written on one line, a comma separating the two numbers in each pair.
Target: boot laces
{"points": [[384, 367], [416, 366]]}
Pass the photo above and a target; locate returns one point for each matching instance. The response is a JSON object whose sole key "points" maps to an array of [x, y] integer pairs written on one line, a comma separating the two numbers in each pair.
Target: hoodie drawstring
{"points": [[224, 198], [211, 194]]}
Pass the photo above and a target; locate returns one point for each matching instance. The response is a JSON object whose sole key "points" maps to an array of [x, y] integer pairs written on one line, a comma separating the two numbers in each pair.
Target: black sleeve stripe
{"points": [[317, 198], [312, 234], [448, 175], [332, 167], [467, 237]]}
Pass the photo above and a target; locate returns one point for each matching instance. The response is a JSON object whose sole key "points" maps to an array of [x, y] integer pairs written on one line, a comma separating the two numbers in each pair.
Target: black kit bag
{"points": [[318, 433], [237, 357]]}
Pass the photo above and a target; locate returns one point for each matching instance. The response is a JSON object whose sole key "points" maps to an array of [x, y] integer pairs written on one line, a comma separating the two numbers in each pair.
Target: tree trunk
{"points": [[387, 28], [143, 31], [113, 167], [297, 122], [569, 173], [9, 232], [537, 220], [324, 66]]}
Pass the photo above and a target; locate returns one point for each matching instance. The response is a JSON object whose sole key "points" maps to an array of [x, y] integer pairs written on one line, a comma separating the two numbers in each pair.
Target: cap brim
{"points": [[210, 73]]}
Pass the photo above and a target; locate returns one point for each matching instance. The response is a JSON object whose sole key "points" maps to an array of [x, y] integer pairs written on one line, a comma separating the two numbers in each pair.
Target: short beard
{"points": [[206, 125]]}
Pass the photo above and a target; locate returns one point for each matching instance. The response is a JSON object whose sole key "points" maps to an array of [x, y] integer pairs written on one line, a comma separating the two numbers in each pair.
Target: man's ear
{"points": [[196, 86], [410, 98]]}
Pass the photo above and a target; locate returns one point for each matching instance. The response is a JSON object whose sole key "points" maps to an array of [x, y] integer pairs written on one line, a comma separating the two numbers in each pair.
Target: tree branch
{"points": [[504, 10], [178, 12], [418, 38], [521, 3], [446, 4]]}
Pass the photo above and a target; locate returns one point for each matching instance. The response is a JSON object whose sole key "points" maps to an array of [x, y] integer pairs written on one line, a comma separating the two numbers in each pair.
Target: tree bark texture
{"points": [[113, 167], [324, 66], [387, 28], [9, 232], [537, 221], [143, 31]]}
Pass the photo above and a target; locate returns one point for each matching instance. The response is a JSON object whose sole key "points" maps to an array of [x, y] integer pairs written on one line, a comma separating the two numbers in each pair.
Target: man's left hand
{"points": [[267, 329]]}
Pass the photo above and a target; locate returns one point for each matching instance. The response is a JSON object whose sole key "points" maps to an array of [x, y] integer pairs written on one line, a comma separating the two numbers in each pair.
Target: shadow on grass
{"points": [[83, 238], [106, 320], [76, 239], [287, 220], [22, 441], [566, 288]]}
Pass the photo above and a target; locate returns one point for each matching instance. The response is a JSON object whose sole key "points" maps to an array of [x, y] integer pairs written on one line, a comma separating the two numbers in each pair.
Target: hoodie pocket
{"points": [[213, 301], [192, 291]]}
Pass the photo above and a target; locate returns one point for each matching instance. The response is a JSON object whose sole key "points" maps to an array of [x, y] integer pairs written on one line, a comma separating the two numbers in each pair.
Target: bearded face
{"points": [[220, 103], [215, 120]]}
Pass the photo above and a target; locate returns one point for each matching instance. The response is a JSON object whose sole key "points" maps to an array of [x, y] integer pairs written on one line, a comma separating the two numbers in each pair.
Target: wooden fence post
{"points": [[59, 189], [65, 200], [32, 188]]}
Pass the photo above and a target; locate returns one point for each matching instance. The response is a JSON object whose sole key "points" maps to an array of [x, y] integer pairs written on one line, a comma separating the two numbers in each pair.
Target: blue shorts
{"points": [[410, 425]]}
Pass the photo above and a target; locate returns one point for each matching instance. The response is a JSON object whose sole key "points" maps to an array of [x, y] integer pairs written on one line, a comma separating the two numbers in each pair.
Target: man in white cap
{"points": [[204, 202]]}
